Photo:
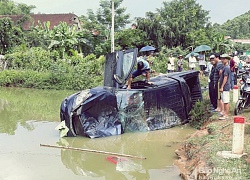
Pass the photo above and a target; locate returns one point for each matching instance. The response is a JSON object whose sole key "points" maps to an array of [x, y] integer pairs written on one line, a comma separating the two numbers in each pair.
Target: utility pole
{"points": [[113, 27]]}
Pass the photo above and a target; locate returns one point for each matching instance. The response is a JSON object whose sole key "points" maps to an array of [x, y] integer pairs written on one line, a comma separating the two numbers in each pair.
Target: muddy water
{"points": [[28, 118]]}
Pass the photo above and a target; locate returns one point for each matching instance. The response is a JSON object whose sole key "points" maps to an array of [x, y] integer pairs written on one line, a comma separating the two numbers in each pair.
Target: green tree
{"points": [[9, 7], [99, 25], [171, 24], [239, 27], [10, 36], [200, 36], [131, 38], [104, 16]]}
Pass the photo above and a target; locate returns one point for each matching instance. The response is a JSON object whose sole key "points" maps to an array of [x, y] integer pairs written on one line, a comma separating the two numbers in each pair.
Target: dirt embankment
{"points": [[197, 157]]}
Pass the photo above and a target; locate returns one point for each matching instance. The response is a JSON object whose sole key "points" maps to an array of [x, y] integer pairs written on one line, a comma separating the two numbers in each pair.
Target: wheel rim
{"points": [[238, 108]]}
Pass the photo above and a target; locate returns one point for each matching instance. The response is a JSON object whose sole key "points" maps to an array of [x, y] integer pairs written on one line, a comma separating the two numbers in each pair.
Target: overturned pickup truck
{"points": [[112, 109]]}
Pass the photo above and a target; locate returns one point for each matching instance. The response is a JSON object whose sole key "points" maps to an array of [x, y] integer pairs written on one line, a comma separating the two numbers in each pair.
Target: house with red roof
{"points": [[55, 19]]}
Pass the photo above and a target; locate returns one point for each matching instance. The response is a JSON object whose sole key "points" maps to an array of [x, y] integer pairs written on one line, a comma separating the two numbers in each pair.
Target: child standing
{"points": [[169, 67]]}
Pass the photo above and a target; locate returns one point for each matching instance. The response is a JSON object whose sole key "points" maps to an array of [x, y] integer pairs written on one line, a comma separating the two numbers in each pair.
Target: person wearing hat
{"points": [[202, 62], [192, 60], [212, 90], [180, 63], [225, 86]]}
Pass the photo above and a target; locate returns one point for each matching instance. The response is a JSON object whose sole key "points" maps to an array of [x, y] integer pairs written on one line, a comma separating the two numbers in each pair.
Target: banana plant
{"points": [[63, 38], [220, 44]]}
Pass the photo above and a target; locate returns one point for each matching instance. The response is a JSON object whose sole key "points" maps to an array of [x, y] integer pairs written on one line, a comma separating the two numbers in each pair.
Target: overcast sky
{"points": [[220, 10]]}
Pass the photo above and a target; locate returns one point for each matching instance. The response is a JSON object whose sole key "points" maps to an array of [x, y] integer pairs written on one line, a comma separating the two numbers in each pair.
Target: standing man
{"points": [[212, 90], [192, 61], [218, 69], [225, 86], [171, 59], [180, 63], [232, 68], [202, 62], [210, 65]]}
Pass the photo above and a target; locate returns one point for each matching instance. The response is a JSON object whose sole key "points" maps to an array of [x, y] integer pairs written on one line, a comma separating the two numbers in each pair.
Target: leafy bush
{"points": [[200, 113], [36, 59], [39, 68]]}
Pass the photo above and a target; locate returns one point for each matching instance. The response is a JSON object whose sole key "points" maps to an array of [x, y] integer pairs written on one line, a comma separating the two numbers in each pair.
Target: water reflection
{"points": [[17, 105], [96, 165], [157, 146]]}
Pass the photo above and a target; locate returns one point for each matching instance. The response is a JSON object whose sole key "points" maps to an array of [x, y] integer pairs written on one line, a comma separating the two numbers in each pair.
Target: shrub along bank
{"points": [[39, 68]]}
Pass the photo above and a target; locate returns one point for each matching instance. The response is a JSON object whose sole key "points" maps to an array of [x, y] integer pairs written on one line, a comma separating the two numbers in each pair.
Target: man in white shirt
{"points": [[202, 62], [171, 59], [192, 61]]}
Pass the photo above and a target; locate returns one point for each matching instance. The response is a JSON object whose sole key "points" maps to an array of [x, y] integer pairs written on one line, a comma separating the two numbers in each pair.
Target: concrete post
{"points": [[238, 135], [235, 93]]}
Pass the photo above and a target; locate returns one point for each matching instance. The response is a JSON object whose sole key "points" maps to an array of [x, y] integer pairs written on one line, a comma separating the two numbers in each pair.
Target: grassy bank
{"points": [[198, 157]]}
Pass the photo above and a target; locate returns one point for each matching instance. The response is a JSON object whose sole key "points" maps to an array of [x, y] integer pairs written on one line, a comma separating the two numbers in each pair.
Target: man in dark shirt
{"points": [[212, 90], [225, 86], [217, 74]]}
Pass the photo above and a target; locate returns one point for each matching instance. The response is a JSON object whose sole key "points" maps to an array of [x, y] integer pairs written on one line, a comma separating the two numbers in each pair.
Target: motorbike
{"points": [[244, 99]]}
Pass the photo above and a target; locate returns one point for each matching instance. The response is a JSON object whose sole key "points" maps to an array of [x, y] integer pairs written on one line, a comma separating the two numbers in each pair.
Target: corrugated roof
{"points": [[54, 19], [243, 41]]}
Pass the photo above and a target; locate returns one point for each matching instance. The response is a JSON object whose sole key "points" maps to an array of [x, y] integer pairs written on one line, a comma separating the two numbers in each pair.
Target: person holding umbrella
{"points": [[201, 57], [192, 60], [202, 62], [148, 52]]}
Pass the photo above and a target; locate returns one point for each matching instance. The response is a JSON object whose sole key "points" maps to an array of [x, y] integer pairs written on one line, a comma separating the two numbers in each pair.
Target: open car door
{"points": [[119, 66], [126, 62]]}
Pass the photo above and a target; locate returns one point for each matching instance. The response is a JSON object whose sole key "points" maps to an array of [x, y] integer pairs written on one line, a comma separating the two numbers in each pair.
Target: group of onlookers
{"points": [[220, 84], [222, 76], [171, 64], [192, 60]]}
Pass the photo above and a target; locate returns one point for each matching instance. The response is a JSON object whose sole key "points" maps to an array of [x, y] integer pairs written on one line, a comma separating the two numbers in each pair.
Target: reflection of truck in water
{"points": [[112, 110]]}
